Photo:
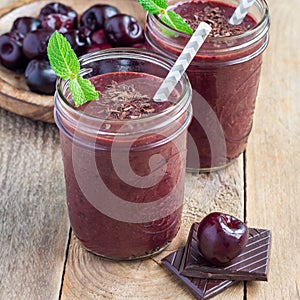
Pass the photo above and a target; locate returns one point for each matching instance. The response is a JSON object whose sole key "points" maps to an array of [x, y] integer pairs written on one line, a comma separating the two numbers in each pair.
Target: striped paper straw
{"points": [[241, 12], [182, 62]]}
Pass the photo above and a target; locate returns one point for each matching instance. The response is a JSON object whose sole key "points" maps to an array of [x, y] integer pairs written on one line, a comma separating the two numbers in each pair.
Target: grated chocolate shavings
{"points": [[217, 19], [122, 101]]}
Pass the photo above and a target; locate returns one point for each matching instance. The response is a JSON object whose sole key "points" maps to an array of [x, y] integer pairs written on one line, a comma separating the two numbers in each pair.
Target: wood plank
{"points": [[273, 155], [90, 277], [34, 225]]}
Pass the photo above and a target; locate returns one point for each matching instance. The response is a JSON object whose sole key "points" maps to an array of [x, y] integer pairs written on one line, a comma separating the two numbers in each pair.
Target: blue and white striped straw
{"points": [[182, 62], [241, 12]]}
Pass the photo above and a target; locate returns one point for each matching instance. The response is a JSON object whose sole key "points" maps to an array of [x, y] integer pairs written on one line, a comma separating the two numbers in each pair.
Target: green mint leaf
{"points": [[154, 6], [82, 90], [66, 65], [161, 3], [175, 21], [62, 57], [169, 17]]}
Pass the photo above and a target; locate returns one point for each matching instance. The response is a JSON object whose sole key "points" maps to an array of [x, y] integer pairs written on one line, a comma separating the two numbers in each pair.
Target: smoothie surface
{"points": [[216, 14], [126, 96]]}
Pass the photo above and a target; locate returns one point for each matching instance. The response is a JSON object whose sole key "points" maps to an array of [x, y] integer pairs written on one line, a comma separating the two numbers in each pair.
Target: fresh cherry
{"points": [[78, 40], [221, 237], [23, 25], [98, 37], [123, 30], [58, 8], [85, 31], [59, 22], [96, 15], [40, 77], [35, 43], [11, 54]]}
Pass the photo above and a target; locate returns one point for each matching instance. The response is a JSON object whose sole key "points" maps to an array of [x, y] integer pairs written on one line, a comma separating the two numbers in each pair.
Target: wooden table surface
{"points": [[41, 259]]}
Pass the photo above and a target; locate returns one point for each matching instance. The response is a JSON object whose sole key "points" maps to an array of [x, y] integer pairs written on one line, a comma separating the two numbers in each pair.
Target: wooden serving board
{"points": [[15, 96]]}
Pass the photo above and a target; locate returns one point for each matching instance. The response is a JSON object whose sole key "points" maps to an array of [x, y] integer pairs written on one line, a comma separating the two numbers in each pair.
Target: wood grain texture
{"points": [[90, 277], [34, 225], [33, 219], [273, 155]]}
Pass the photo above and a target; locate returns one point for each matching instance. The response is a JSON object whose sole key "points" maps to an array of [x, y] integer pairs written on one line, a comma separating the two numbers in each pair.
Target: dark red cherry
{"points": [[11, 54], [23, 25], [40, 77], [96, 15], [123, 30], [85, 31], [98, 37], [221, 237], [58, 8], [59, 22], [78, 40], [35, 43]]}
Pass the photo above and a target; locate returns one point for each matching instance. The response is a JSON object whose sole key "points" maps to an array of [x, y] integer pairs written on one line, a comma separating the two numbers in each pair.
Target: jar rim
{"points": [[63, 106], [264, 22], [258, 31]]}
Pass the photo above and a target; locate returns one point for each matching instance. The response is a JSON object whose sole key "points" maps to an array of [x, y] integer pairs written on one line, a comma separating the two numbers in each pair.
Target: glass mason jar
{"points": [[224, 76], [124, 177]]}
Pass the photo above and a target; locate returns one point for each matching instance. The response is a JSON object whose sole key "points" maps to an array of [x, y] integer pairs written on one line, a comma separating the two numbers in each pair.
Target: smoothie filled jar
{"points": [[124, 155], [224, 76]]}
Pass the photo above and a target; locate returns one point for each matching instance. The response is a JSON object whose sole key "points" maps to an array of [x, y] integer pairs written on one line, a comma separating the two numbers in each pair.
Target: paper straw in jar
{"points": [[241, 12], [182, 62]]}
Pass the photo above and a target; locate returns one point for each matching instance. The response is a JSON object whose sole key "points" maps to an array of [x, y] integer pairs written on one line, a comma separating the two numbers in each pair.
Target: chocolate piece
{"points": [[250, 264], [200, 288]]}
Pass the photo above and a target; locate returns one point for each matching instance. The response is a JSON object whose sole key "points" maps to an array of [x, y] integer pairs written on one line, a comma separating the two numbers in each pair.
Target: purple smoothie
{"points": [[99, 232], [224, 73]]}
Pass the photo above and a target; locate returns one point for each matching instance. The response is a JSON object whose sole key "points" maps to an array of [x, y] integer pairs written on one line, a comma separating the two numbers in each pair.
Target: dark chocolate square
{"points": [[250, 264], [200, 288]]}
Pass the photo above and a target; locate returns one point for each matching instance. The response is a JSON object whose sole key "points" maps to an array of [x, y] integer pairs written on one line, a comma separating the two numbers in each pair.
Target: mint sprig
{"points": [[65, 64], [169, 17]]}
